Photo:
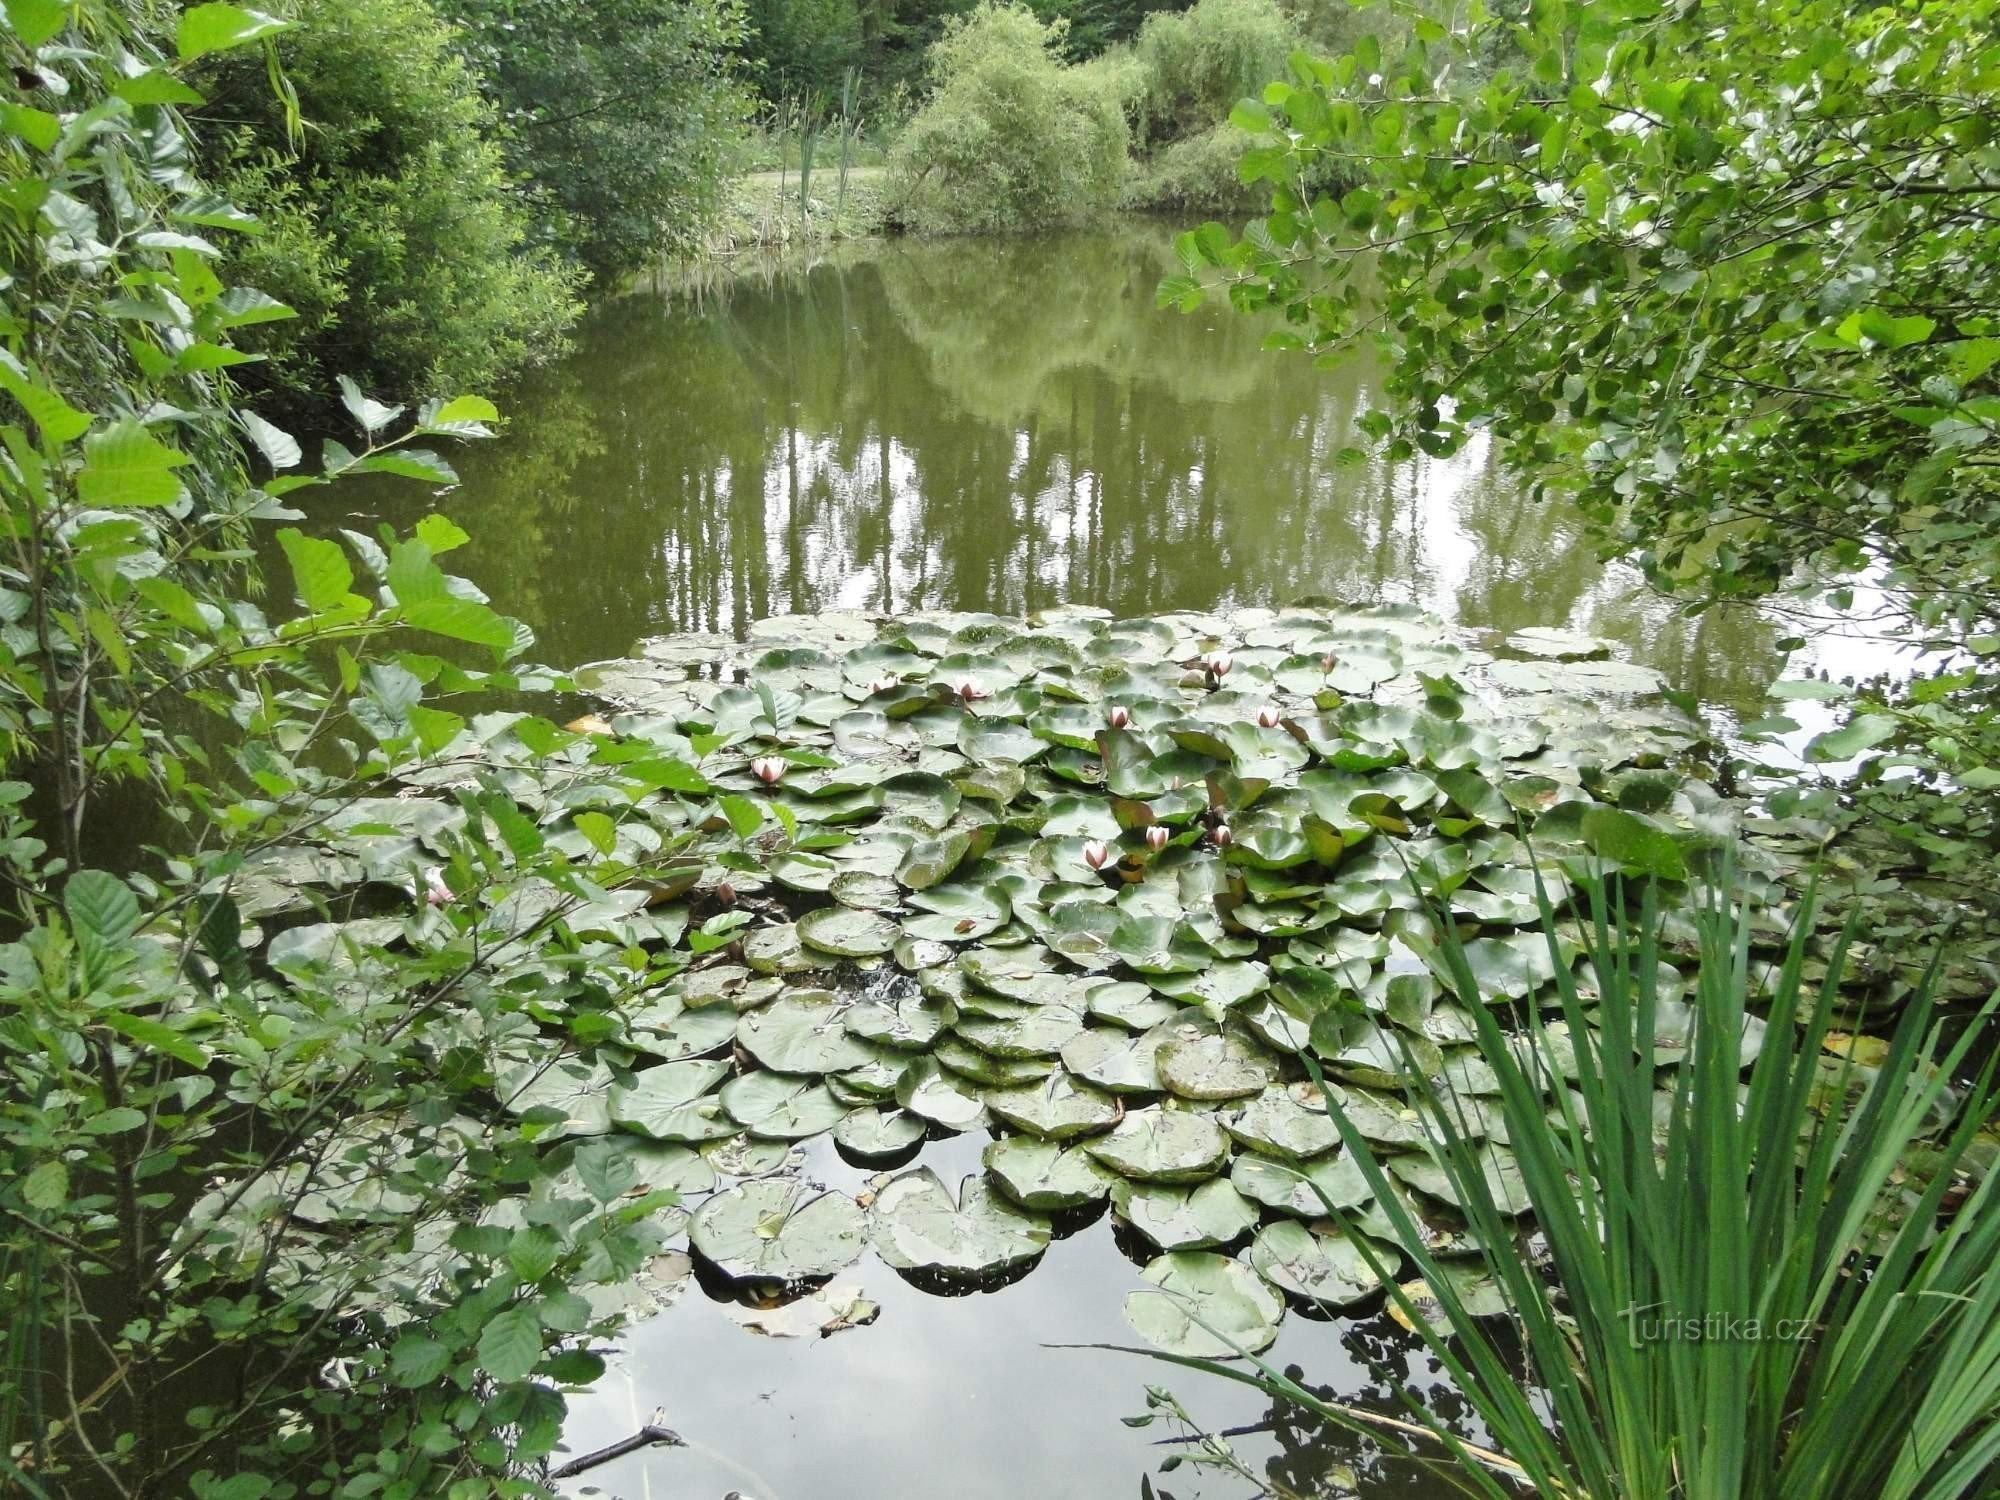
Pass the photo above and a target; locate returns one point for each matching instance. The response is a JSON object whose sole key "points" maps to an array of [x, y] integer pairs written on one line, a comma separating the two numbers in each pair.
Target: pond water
{"points": [[1004, 426], [998, 426]]}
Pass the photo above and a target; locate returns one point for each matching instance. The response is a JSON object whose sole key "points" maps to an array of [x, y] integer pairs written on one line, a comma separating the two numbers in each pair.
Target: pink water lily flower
{"points": [[436, 892], [1327, 663], [971, 689], [1268, 717], [768, 769], [1222, 836], [880, 685], [1118, 716], [1097, 854], [1218, 663], [1157, 836]]}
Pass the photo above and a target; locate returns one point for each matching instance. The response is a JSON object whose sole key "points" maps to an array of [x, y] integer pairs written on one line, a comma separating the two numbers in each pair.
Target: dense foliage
{"points": [[623, 122], [391, 223], [1010, 137], [172, 1086], [1726, 275]]}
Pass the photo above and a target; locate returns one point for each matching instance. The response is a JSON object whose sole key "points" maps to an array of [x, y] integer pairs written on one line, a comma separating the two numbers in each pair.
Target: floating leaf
{"points": [[777, 1228], [1322, 1265], [1162, 1145], [1185, 1218], [848, 934], [1058, 1108], [1043, 1175], [1205, 1306], [915, 1225], [1296, 1187], [806, 1032], [779, 1108]]}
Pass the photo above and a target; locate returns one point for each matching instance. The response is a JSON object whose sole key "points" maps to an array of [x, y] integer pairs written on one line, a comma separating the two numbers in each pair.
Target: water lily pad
{"points": [[1287, 1122], [1163, 1145], [864, 890], [777, 1228], [1479, 1294], [926, 1091], [781, 1108], [915, 1225], [776, 950], [1132, 1005], [874, 1133], [846, 933], [1185, 1218], [746, 1155], [1322, 1265], [806, 1032], [574, 1094], [670, 1031], [909, 1021], [1042, 1032], [1114, 1061], [1043, 1175], [1205, 1305], [1296, 1187], [965, 1063], [673, 1102], [1497, 1167], [1207, 1063], [1057, 1107]]}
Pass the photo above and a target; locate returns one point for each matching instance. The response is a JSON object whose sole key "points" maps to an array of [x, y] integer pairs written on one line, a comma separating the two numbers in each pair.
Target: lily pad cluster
{"points": [[1088, 886]]}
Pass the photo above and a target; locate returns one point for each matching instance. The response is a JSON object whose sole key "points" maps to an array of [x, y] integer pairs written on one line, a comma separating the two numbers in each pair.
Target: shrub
{"points": [[392, 226], [624, 126], [1196, 64], [1010, 138], [1198, 172]]}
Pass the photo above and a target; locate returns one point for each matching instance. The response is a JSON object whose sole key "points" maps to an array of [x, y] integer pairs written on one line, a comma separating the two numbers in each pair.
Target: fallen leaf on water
{"points": [[830, 1310]]}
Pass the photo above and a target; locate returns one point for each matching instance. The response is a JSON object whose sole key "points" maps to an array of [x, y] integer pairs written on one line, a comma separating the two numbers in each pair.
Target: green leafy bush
{"points": [[391, 224], [623, 119], [1197, 63], [1199, 171], [1010, 138]]}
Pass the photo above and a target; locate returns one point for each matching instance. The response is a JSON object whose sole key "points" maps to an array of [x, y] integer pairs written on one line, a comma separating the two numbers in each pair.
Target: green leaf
{"points": [[101, 905], [599, 829], [1862, 732], [47, 1187], [125, 465], [217, 27], [59, 421], [320, 571], [745, 816], [511, 1345], [160, 1038], [35, 21], [1634, 842], [440, 534], [417, 1359]]}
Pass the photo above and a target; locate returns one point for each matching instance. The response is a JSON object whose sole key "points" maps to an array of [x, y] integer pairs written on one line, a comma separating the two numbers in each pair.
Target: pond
{"points": [[1005, 427]]}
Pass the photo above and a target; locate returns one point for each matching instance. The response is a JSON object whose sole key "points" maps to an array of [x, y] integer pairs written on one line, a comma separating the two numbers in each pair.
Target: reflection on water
{"points": [[962, 1397], [1000, 426]]}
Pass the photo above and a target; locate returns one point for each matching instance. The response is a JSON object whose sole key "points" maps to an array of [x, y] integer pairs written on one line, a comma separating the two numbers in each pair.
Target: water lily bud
{"points": [[1222, 836], [1118, 716], [1097, 854], [880, 685], [1218, 663], [768, 769], [971, 689], [1157, 836], [436, 892], [1327, 663], [1267, 717], [725, 893]]}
